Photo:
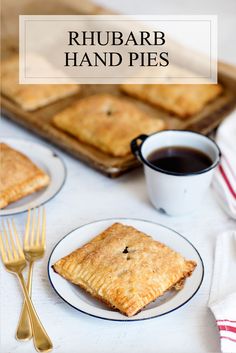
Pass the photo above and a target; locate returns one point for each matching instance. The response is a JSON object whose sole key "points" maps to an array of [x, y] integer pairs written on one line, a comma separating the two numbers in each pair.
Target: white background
{"points": [[87, 196], [225, 9]]}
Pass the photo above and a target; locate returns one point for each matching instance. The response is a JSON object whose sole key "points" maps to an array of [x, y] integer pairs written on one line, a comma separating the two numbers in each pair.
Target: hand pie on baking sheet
{"points": [[184, 100], [125, 268], [19, 176], [30, 97], [106, 122]]}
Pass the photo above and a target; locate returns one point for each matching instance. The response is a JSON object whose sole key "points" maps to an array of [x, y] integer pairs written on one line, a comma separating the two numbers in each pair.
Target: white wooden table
{"points": [[87, 196]]}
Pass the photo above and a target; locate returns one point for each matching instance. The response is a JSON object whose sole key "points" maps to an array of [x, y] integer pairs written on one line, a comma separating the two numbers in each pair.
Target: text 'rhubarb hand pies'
{"points": [[184, 100], [31, 97], [125, 268], [19, 176], [106, 122]]}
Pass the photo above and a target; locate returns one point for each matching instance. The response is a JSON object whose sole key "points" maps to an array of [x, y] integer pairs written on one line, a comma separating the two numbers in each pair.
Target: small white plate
{"points": [[82, 301], [45, 159]]}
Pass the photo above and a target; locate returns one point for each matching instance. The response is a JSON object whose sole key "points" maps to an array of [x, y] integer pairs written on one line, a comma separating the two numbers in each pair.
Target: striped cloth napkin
{"points": [[224, 181], [222, 300]]}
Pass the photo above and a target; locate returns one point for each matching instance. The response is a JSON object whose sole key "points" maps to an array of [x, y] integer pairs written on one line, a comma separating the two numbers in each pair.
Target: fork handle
{"points": [[24, 330], [41, 340]]}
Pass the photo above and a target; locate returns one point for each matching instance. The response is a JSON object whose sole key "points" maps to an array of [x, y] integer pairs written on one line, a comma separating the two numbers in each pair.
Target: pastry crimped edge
{"points": [[131, 311], [118, 299], [29, 186]]}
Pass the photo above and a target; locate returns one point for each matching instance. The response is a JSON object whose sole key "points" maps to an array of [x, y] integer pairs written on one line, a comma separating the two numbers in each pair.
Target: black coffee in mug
{"points": [[179, 159]]}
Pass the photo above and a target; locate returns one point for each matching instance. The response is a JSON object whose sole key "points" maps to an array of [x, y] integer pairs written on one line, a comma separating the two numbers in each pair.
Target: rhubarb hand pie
{"points": [[30, 97], [181, 99], [125, 268], [106, 122], [19, 176]]}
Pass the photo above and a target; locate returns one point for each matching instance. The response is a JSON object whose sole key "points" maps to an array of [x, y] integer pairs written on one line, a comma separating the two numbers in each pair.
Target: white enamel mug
{"points": [[176, 193]]}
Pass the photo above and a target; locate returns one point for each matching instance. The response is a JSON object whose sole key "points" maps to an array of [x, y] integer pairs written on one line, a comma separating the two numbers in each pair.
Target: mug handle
{"points": [[135, 147]]}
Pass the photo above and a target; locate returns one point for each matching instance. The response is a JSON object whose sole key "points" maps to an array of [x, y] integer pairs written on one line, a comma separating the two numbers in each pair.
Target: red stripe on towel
{"points": [[227, 181], [227, 328], [229, 166], [226, 320]]}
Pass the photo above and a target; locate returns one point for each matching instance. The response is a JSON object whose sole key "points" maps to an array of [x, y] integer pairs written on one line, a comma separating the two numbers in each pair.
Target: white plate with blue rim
{"points": [[49, 162], [84, 302]]}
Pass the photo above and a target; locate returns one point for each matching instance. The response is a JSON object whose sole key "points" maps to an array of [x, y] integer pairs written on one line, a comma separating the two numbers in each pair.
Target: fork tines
{"points": [[10, 249], [35, 225]]}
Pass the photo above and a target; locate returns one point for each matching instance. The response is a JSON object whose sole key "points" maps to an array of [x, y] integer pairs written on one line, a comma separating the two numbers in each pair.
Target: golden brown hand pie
{"points": [[30, 97], [19, 177], [125, 268], [106, 122], [181, 99]]}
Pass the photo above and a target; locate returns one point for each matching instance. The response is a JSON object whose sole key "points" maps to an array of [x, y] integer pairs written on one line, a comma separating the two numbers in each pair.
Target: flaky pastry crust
{"points": [[181, 99], [107, 122], [30, 97], [19, 176], [125, 268]]}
